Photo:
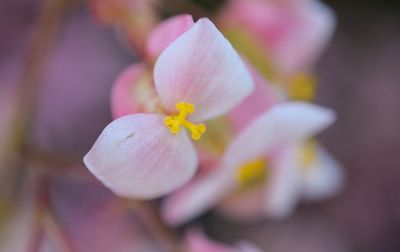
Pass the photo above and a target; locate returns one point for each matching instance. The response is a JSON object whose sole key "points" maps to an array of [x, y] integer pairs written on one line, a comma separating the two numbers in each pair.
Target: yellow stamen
{"points": [[252, 173], [175, 122], [302, 87], [308, 154]]}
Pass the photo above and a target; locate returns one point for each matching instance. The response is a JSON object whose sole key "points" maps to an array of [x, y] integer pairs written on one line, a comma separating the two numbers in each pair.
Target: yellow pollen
{"points": [[308, 154], [252, 173], [302, 87], [175, 122]]}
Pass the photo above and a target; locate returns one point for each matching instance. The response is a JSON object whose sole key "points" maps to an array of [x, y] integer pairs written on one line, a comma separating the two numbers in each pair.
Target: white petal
{"points": [[136, 156], [324, 178], [284, 123], [201, 67], [282, 190]]}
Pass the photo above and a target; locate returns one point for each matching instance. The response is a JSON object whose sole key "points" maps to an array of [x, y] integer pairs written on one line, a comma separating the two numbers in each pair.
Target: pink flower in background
{"points": [[196, 241], [291, 34], [290, 178], [197, 77], [259, 149], [282, 39]]}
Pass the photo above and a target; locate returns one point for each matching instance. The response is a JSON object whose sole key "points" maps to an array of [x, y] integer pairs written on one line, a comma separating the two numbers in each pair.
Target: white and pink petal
{"points": [[137, 157], [283, 189], [323, 178], [283, 123], [201, 67]]}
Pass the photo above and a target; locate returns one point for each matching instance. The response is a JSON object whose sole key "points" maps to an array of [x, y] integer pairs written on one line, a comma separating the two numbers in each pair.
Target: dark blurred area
{"points": [[359, 79]]}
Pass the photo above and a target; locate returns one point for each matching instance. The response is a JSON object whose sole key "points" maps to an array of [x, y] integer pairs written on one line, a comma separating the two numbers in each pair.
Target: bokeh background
{"points": [[359, 76]]}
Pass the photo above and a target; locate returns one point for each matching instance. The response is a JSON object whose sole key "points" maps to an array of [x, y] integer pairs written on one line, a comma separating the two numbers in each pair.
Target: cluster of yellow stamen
{"points": [[175, 122], [302, 87], [251, 173]]}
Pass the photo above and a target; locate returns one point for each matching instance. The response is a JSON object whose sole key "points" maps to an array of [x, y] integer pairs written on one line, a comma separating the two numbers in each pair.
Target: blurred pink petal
{"points": [[167, 32], [294, 32], [286, 122], [202, 68], [122, 100], [136, 156], [324, 178], [261, 99], [312, 32], [197, 197]]}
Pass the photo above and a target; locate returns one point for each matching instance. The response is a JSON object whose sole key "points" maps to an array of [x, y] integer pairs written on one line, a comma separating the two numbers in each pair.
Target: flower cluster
{"points": [[214, 113], [220, 117]]}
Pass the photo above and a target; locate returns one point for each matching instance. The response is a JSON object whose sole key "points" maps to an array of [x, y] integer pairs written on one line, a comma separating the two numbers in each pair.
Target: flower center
{"points": [[175, 122], [308, 154], [252, 173], [302, 87]]}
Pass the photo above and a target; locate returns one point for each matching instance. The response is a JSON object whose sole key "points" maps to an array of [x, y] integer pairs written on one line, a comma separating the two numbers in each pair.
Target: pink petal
{"points": [[122, 98], [282, 190], [294, 32], [167, 32], [261, 99], [324, 178], [136, 156], [313, 24], [197, 197], [202, 68], [290, 121]]}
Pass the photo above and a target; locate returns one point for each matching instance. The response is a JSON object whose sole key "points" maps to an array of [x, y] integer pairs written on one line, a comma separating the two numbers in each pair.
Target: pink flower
{"points": [[289, 180], [265, 146], [289, 34], [197, 77], [196, 241]]}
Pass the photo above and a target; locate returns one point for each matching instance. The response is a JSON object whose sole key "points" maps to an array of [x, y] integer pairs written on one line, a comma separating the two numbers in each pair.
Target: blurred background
{"points": [[360, 80]]}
